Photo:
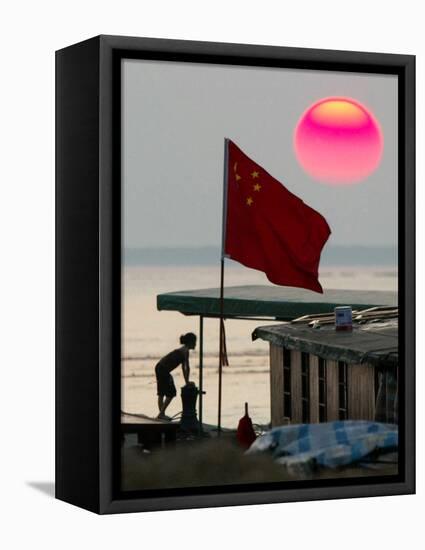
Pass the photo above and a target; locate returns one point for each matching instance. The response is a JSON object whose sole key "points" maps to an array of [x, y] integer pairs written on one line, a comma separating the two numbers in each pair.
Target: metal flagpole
{"points": [[223, 241]]}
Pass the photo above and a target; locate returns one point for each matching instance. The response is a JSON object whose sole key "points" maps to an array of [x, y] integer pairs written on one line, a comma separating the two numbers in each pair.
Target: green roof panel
{"points": [[282, 303]]}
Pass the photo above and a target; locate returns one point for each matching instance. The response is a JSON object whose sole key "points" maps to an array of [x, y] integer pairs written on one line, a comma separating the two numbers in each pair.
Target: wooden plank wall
{"points": [[314, 388], [360, 389], [276, 385], [361, 392], [332, 400], [296, 404]]}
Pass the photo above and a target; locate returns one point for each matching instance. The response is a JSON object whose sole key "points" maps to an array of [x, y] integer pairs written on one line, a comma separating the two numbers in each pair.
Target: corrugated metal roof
{"points": [[375, 343], [282, 303]]}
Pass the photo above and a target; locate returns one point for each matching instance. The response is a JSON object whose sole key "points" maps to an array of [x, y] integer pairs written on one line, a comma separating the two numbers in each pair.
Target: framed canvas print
{"points": [[235, 274]]}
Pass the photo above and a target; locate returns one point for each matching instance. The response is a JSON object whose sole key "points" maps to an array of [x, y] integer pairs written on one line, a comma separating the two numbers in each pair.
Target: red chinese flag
{"points": [[270, 229]]}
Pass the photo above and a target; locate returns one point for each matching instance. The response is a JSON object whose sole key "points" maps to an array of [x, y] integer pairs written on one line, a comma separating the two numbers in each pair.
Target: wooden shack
{"points": [[318, 374]]}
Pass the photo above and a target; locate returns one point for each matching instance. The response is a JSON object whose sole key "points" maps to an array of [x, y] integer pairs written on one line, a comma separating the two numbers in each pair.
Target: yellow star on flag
{"points": [[257, 187], [249, 201], [255, 174], [238, 177]]}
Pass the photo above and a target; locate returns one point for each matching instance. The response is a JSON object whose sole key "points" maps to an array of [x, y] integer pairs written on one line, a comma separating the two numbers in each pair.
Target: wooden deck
{"points": [[138, 418], [150, 431]]}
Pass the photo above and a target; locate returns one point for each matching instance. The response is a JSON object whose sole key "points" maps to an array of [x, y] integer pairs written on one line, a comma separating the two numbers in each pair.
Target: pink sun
{"points": [[338, 141]]}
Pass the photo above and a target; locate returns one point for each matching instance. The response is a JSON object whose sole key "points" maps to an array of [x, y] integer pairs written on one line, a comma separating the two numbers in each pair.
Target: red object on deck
{"points": [[245, 433], [269, 228]]}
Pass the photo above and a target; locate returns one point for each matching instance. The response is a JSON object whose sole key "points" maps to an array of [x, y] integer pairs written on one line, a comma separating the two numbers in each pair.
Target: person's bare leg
{"points": [[167, 401]]}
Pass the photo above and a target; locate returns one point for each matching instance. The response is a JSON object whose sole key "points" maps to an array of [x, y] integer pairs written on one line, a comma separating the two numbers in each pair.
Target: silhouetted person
{"points": [[165, 383]]}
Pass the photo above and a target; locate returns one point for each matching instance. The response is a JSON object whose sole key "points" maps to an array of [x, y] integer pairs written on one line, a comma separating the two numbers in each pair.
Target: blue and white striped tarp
{"points": [[330, 444]]}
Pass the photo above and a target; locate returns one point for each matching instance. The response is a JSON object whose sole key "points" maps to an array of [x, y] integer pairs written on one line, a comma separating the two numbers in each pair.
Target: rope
{"points": [[224, 360]]}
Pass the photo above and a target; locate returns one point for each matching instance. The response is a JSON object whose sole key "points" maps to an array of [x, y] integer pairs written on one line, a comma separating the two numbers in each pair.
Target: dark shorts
{"points": [[164, 382]]}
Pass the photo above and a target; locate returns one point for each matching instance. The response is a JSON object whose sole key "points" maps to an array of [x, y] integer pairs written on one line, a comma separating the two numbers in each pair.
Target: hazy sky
{"points": [[175, 119]]}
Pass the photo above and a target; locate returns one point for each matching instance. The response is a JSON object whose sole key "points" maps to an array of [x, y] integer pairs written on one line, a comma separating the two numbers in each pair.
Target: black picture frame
{"points": [[88, 270]]}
